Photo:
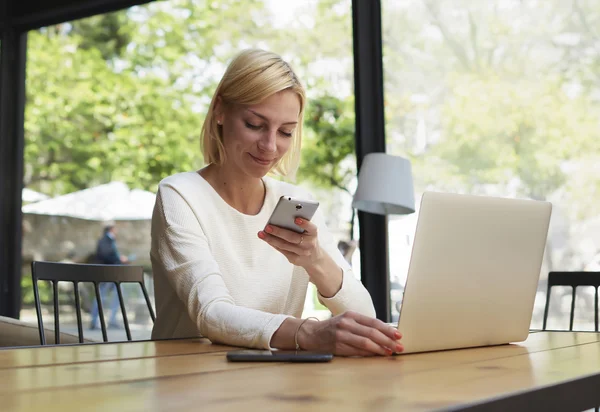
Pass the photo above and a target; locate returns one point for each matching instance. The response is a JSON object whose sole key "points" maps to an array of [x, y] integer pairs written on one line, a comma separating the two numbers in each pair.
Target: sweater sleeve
{"points": [[352, 295], [183, 251]]}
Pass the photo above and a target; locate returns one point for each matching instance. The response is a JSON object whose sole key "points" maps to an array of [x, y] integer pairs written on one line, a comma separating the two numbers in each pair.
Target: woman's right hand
{"points": [[350, 334]]}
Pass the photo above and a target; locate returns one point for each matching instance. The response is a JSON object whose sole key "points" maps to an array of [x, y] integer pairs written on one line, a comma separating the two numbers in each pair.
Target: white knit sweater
{"points": [[214, 277]]}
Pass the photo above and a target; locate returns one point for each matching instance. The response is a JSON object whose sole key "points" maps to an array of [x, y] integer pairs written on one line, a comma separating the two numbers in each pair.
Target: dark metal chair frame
{"points": [[573, 279], [82, 273]]}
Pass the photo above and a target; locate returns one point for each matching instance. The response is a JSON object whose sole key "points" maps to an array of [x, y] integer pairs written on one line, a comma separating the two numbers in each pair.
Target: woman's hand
{"points": [[350, 334], [300, 249], [303, 249]]}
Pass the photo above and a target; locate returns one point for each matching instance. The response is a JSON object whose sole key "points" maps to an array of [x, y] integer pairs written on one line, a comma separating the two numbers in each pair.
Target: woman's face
{"points": [[255, 137]]}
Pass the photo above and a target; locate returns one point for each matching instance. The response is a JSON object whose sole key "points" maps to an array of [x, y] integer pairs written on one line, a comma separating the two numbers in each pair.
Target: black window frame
{"points": [[370, 137]]}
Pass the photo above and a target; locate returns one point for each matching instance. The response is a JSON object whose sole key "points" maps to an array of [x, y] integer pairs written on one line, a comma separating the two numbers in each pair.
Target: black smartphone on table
{"points": [[251, 355]]}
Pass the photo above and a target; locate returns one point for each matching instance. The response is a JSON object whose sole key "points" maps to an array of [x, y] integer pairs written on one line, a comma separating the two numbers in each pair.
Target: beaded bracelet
{"points": [[297, 330]]}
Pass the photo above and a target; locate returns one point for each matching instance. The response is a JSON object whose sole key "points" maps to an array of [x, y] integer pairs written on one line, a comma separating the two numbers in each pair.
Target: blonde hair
{"points": [[252, 76]]}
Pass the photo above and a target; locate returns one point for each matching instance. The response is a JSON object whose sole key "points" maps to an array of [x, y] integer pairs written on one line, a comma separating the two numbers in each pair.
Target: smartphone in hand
{"points": [[288, 209]]}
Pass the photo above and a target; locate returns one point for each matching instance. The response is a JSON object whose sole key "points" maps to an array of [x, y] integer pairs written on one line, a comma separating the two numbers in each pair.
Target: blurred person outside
{"points": [[108, 254]]}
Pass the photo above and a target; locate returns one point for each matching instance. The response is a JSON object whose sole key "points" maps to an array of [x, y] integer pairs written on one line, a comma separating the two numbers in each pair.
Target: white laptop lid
{"points": [[473, 272]]}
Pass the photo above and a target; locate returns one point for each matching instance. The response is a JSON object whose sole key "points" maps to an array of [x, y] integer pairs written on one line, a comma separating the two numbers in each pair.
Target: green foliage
{"points": [[108, 99], [87, 124], [179, 38], [482, 94], [328, 151], [27, 297], [108, 33], [497, 130], [319, 34], [44, 289]]}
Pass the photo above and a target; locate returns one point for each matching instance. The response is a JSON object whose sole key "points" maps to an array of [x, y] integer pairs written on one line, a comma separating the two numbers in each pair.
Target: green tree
{"points": [[328, 155], [87, 124], [108, 33], [120, 96], [444, 49], [497, 130], [318, 43]]}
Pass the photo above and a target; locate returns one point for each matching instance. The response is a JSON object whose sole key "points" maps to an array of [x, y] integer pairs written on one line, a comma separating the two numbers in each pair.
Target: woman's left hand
{"points": [[300, 249]]}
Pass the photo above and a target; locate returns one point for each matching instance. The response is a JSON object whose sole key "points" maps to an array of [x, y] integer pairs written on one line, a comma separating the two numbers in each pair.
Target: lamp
{"points": [[385, 185]]}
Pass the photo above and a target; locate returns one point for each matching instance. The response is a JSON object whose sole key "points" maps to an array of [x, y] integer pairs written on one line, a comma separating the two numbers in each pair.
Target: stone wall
{"points": [[55, 238]]}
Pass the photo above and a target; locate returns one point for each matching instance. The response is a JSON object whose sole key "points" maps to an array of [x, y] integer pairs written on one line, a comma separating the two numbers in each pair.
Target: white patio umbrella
{"points": [[30, 196], [111, 201]]}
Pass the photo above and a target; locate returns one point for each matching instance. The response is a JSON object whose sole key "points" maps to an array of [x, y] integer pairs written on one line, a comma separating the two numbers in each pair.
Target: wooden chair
{"points": [[81, 273], [573, 279]]}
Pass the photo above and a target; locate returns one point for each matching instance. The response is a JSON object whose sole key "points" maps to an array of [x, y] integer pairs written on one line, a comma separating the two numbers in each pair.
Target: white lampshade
{"points": [[385, 185]]}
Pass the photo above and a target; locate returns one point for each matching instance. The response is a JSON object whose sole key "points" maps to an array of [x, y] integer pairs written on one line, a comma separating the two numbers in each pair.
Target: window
{"points": [[115, 103], [499, 98]]}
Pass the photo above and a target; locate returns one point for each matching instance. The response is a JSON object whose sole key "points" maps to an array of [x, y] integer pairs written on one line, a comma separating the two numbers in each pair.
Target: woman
{"points": [[219, 272]]}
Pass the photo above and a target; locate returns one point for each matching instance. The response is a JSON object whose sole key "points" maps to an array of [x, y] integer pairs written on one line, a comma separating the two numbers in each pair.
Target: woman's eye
{"points": [[252, 126], [287, 134]]}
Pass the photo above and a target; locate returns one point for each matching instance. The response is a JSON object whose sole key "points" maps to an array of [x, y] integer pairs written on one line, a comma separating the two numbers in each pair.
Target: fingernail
{"points": [[388, 351], [399, 348], [397, 335], [261, 235], [299, 221], [268, 229]]}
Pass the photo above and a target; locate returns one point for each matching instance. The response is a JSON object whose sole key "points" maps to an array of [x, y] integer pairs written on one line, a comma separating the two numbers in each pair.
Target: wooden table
{"points": [[192, 374]]}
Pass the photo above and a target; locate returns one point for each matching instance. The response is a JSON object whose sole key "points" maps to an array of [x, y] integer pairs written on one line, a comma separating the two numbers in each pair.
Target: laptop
{"points": [[473, 272]]}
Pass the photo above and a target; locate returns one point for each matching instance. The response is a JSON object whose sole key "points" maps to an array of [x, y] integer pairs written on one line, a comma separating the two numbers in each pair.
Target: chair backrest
{"points": [[82, 273], [573, 279]]}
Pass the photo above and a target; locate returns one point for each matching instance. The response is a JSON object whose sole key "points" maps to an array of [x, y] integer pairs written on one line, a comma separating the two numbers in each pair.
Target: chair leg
{"points": [[572, 309], [56, 320], [148, 302], [101, 312], [123, 312], [38, 309], [78, 310], [547, 307], [596, 311]]}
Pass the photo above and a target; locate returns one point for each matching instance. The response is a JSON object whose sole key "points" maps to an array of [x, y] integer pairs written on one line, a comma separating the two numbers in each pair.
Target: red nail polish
{"points": [[299, 221], [268, 229], [261, 235], [397, 335]]}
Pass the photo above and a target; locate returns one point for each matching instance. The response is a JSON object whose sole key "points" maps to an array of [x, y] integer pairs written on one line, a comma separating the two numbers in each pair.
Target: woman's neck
{"points": [[244, 193]]}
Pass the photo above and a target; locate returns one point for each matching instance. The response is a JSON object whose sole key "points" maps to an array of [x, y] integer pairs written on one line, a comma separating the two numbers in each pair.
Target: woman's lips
{"points": [[261, 161]]}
